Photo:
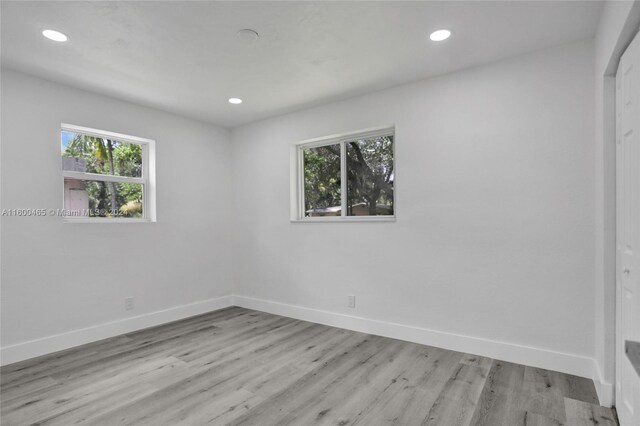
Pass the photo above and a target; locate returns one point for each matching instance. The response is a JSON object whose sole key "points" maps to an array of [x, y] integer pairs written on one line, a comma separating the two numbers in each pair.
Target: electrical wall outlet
{"points": [[128, 304], [351, 301]]}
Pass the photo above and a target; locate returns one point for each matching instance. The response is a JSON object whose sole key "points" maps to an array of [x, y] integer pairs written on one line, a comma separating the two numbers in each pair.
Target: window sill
{"points": [[104, 220], [346, 219]]}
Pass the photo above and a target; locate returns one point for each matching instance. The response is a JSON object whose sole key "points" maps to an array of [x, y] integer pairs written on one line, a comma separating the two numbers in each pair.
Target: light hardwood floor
{"points": [[237, 366]]}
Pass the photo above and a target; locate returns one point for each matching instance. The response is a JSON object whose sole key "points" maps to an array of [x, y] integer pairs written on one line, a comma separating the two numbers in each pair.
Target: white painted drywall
{"points": [[495, 203], [494, 238], [59, 277], [615, 30]]}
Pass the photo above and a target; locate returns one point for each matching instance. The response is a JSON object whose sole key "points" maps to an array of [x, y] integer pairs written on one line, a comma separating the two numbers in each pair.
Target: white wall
{"points": [[495, 203], [492, 252], [618, 24], [60, 277]]}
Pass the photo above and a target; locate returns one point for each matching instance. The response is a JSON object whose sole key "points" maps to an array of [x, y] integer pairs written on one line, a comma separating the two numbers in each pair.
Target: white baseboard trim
{"points": [[58, 342], [604, 389], [577, 365], [542, 358]]}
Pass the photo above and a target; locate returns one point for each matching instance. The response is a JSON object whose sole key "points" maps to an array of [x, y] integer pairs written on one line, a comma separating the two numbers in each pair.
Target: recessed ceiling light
{"points": [[247, 35], [54, 35], [440, 35], [235, 101]]}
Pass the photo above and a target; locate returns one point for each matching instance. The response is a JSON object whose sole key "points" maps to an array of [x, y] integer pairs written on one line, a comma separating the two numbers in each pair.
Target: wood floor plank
{"points": [[535, 419], [381, 385], [362, 352], [544, 393], [89, 409], [23, 390], [501, 400], [208, 380], [279, 375], [222, 411], [21, 372], [580, 413], [236, 366], [457, 402], [574, 387], [66, 399], [227, 342], [412, 396], [371, 379]]}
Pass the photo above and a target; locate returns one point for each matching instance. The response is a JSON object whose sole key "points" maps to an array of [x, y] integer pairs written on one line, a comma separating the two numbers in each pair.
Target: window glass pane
{"points": [[370, 177], [90, 198], [91, 154], [322, 181]]}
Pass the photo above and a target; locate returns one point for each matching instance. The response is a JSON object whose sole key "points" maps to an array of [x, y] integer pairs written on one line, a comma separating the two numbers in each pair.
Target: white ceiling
{"points": [[184, 57]]}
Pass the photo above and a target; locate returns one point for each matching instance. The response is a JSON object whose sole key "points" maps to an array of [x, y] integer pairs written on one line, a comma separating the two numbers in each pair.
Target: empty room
{"points": [[320, 213]]}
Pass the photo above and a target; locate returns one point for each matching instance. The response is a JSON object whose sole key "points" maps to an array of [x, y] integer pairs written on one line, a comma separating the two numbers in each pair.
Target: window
{"points": [[107, 176], [347, 177]]}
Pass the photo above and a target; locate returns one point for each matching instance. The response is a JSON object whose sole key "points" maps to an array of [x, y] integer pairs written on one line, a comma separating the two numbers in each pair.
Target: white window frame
{"points": [[297, 175], [147, 179]]}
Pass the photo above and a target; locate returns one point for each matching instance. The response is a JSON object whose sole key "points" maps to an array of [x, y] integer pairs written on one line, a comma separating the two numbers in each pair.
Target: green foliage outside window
{"points": [[369, 173], [370, 176], [322, 177], [109, 157]]}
